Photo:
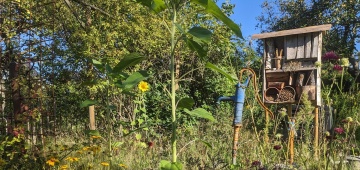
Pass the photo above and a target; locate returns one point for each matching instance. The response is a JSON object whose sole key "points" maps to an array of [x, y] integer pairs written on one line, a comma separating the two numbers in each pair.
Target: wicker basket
{"points": [[271, 94]]}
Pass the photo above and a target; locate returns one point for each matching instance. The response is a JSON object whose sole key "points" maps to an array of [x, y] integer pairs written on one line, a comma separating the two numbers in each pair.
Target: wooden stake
{"points": [[235, 142], [316, 133], [92, 117], [291, 133]]}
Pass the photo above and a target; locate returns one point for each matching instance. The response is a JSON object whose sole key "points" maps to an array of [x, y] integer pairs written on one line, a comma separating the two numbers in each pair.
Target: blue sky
{"points": [[245, 13]]}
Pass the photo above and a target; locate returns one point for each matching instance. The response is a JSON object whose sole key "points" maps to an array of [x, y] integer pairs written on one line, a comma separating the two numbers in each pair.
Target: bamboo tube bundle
{"points": [[287, 94]]}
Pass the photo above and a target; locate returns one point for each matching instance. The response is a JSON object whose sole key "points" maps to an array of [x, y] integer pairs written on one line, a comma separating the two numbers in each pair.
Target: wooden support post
{"points": [[235, 142], [316, 132], [92, 117], [291, 133]]}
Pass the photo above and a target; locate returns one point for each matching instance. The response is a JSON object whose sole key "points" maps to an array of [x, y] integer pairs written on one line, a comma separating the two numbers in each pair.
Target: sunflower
{"points": [[123, 166], [105, 164], [52, 161], [63, 167], [72, 159], [143, 86]]}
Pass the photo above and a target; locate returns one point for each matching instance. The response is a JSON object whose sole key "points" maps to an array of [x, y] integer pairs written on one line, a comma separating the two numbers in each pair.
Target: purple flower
{"points": [[277, 147], [330, 56], [339, 130], [337, 67]]}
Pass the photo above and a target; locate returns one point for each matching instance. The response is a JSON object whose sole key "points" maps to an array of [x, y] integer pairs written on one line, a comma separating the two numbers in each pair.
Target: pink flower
{"points": [[330, 56], [339, 130]]}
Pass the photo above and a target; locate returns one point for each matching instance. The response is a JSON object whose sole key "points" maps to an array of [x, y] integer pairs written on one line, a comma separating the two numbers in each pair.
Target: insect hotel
{"points": [[290, 72]]}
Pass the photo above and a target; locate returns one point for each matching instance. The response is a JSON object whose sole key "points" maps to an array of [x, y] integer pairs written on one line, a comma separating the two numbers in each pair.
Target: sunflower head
{"points": [[143, 86]]}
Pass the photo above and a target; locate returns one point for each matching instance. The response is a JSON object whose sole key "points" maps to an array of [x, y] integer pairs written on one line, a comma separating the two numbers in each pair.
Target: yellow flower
{"points": [[52, 161], [143, 86], [349, 119], [72, 159], [95, 137], [95, 149], [122, 165], [344, 62], [86, 148], [62, 167], [327, 133], [105, 164], [279, 135]]}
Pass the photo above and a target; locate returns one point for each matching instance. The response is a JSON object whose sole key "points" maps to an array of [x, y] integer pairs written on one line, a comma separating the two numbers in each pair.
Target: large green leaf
{"points": [[129, 60], [200, 112], [211, 8], [167, 165], [200, 35], [207, 144], [98, 65], [108, 68], [154, 5], [194, 46], [217, 69], [87, 103], [179, 28], [132, 80], [92, 132], [186, 103]]}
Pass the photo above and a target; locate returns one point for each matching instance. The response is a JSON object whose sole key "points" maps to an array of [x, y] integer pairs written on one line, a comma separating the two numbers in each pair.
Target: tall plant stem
{"points": [[108, 116], [342, 77], [173, 104]]}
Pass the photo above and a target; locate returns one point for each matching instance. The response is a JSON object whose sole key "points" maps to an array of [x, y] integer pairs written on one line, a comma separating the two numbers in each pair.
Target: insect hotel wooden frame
{"points": [[290, 71]]}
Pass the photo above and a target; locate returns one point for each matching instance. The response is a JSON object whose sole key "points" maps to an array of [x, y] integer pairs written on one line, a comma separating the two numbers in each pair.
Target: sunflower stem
{"points": [[173, 94]]}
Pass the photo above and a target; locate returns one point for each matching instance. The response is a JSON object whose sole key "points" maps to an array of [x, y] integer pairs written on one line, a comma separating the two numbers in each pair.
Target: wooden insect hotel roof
{"points": [[318, 28]]}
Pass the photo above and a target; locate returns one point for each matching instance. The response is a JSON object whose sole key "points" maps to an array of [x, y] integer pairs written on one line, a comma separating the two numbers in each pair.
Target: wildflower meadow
{"points": [[175, 85]]}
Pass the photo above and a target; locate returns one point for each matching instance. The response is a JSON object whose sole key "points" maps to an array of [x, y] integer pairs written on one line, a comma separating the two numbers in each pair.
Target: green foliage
{"points": [[211, 8], [134, 131], [186, 103], [88, 103], [132, 80], [201, 113], [154, 5], [213, 67], [167, 165], [128, 61], [200, 35]]}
